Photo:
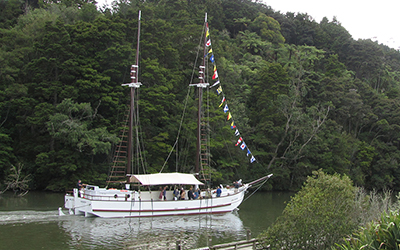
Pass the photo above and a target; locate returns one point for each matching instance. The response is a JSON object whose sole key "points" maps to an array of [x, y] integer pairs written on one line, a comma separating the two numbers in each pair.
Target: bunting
{"points": [[212, 58], [209, 52], [217, 82], [215, 77], [219, 90], [239, 141], [215, 73], [226, 109], [222, 101], [237, 132]]}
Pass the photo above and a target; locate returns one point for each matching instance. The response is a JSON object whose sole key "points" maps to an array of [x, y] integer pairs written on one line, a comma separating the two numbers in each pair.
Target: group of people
{"points": [[180, 194]]}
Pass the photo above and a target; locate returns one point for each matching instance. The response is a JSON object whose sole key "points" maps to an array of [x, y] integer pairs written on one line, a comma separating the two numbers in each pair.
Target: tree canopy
{"points": [[305, 95]]}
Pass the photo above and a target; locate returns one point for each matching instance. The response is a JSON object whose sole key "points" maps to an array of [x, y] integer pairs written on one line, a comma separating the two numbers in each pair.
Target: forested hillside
{"points": [[305, 95]]}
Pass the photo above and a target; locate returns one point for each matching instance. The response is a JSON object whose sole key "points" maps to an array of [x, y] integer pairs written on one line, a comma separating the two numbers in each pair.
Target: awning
{"points": [[165, 179]]}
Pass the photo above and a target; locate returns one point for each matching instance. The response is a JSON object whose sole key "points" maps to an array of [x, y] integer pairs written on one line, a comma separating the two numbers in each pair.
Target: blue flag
{"points": [[226, 109], [212, 58]]}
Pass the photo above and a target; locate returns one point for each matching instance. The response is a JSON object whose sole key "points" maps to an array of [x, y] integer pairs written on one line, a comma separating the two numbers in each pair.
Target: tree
{"points": [[9, 12], [77, 143], [319, 215], [268, 29], [17, 181], [73, 125]]}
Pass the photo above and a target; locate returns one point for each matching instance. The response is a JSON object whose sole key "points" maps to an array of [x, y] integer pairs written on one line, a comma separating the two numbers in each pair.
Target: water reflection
{"points": [[133, 233], [32, 222], [152, 233]]}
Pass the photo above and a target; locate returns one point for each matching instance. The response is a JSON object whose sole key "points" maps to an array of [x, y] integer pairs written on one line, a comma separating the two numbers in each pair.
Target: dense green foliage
{"points": [[382, 234], [319, 215], [325, 211], [304, 95]]}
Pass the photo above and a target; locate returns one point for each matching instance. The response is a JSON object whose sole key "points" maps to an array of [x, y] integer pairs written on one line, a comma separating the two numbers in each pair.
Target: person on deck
{"points": [[219, 191], [165, 193], [197, 194], [183, 194], [176, 194], [161, 193], [208, 194], [79, 186], [190, 194]]}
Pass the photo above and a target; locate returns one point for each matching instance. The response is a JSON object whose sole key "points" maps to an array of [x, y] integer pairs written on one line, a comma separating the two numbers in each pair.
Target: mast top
{"points": [[205, 19], [134, 68]]}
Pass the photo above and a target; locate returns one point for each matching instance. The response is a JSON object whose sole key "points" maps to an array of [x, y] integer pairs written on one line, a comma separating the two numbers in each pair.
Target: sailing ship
{"points": [[92, 200]]}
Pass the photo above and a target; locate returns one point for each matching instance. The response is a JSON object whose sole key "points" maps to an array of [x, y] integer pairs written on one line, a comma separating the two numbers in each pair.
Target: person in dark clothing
{"points": [[79, 186], [219, 191], [176, 194], [190, 194], [165, 193]]}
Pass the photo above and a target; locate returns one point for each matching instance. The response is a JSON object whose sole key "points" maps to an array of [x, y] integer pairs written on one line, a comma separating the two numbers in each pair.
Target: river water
{"points": [[33, 222]]}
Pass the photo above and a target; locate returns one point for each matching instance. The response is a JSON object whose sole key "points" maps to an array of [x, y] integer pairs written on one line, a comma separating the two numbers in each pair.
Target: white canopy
{"points": [[165, 179]]}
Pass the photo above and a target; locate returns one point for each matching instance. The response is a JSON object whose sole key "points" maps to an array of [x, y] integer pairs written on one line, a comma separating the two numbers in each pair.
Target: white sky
{"points": [[377, 20]]}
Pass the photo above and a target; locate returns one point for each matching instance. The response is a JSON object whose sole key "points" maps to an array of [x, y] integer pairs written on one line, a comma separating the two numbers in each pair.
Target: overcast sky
{"points": [[377, 20]]}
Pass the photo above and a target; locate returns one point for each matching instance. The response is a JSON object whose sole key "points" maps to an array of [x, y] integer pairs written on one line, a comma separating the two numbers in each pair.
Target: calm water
{"points": [[32, 222]]}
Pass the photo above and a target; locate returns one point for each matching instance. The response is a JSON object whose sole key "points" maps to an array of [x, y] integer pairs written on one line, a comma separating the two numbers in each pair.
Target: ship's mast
{"points": [[133, 85], [202, 84]]}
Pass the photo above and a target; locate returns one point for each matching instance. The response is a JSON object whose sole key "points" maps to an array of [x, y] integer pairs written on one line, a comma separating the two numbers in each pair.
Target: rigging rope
{"points": [[185, 106], [256, 190]]}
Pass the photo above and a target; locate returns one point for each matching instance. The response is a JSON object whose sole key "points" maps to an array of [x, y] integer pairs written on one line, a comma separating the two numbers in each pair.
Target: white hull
{"points": [[123, 203]]}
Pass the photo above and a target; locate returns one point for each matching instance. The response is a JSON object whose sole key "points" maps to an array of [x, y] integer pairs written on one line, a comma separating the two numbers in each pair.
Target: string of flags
{"points": [[240, 142]]}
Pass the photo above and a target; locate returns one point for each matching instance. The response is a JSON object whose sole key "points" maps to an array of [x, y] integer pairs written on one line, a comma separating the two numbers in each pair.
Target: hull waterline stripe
{"points": [[161, 210], [161, 215]]}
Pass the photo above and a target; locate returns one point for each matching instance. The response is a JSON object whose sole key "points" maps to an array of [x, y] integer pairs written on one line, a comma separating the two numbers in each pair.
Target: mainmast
{"points": [[202, 84], [133, 85]]}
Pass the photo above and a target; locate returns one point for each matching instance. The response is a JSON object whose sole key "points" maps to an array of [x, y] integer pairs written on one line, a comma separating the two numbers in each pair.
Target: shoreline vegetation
{"points": [[329, 212]]}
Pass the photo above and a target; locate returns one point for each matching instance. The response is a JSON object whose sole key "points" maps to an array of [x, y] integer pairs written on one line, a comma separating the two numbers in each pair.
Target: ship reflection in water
{"points": [[153, 233]]}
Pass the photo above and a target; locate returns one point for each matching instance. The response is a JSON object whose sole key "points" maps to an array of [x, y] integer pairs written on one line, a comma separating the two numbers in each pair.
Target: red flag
{"points": [[239, 141], [215, 75]]}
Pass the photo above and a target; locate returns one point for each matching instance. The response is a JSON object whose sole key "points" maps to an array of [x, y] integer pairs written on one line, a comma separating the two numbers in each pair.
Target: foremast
{"points": [[133, 85]]}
